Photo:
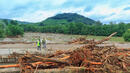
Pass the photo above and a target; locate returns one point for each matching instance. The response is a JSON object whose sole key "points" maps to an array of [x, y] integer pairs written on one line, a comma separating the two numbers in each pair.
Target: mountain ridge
{"points": [[66, 18]]}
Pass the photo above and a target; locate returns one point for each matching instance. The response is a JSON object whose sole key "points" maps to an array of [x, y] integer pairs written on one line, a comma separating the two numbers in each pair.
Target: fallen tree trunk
{"points": [[38, 58], [8, 66], [17, 65], [99, 42], [106, 39]]}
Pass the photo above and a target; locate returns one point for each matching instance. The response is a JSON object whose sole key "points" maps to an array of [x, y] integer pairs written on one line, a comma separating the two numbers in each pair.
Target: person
{"points": [[39, 45], [44, 42]]}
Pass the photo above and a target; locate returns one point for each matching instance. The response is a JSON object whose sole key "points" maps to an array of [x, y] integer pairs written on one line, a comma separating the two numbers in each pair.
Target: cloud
{"points": [[123, 16], [88, 8], [127, 8], [37, 16], [41, 15]]}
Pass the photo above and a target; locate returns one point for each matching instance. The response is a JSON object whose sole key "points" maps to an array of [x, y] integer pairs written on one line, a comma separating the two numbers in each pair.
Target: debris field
{"points": [[95, 59]]}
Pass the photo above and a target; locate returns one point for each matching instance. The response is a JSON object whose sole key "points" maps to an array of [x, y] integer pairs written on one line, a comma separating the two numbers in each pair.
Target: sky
{"points": [[38, 10]]}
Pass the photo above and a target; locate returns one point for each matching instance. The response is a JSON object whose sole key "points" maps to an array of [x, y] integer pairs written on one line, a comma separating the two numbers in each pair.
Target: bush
{"points": [[126, 35], [14, 30], [2, 32]]}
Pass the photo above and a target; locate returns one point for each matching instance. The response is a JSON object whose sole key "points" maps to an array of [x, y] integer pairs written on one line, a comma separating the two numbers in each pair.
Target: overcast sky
{"points": [[38, 10]]}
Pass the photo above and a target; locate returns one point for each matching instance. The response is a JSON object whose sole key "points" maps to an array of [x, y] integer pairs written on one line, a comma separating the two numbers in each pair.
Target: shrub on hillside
{"points": [[126, 35]]}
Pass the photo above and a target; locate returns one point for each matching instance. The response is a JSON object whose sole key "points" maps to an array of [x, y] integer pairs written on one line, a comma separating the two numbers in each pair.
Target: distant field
{"points": [[60, 38], [113, 39]]}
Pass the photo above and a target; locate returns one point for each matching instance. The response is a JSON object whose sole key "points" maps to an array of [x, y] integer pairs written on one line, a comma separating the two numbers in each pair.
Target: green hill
{"points": [[67, 18]]}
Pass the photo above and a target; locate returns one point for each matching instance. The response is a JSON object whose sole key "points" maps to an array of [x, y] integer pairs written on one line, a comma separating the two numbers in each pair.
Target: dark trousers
{"points": [[38, 47], [44, 45]]}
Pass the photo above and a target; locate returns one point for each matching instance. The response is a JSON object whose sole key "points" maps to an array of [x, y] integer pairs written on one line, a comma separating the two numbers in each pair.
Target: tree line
{"points": [[14, 29], [80, 29]]}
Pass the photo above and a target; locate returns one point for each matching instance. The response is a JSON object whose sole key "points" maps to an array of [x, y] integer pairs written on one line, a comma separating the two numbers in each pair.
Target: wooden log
{"points": [[64, 58], [38, 58], [96, 63], [7, 66], [17, 65], [98, 42], [106, 39]]}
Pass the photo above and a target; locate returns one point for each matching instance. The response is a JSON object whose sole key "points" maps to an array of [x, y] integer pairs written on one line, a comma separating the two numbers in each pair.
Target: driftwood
{"points": [[99, 42], [38, 58], [105, 39]]}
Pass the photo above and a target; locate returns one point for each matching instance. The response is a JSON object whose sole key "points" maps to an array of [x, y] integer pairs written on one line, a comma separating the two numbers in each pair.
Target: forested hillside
{"points": [[67, 18]]}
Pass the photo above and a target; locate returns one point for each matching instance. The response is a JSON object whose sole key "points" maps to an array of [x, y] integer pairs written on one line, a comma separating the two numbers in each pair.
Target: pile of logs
{"points": [[99, 59]]}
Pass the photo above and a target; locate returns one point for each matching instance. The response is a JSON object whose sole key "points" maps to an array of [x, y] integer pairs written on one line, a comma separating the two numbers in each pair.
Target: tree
{"points": [[2, 32], [5, 21], [14, 22], [121, 29], [126, 35], [98, 23], [14, 30], [71, 28]]}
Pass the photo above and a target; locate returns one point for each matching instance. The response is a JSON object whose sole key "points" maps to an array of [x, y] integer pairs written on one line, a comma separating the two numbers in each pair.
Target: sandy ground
{"points": [[55, 42], [22, 48]]}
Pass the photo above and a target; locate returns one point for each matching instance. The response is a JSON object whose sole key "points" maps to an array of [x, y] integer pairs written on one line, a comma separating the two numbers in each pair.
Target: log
{"points": [[7, 66], [64, 58], [50, 60], [96, 63], [17, 65], [99, 42], [106, 39], [38, 58]]}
